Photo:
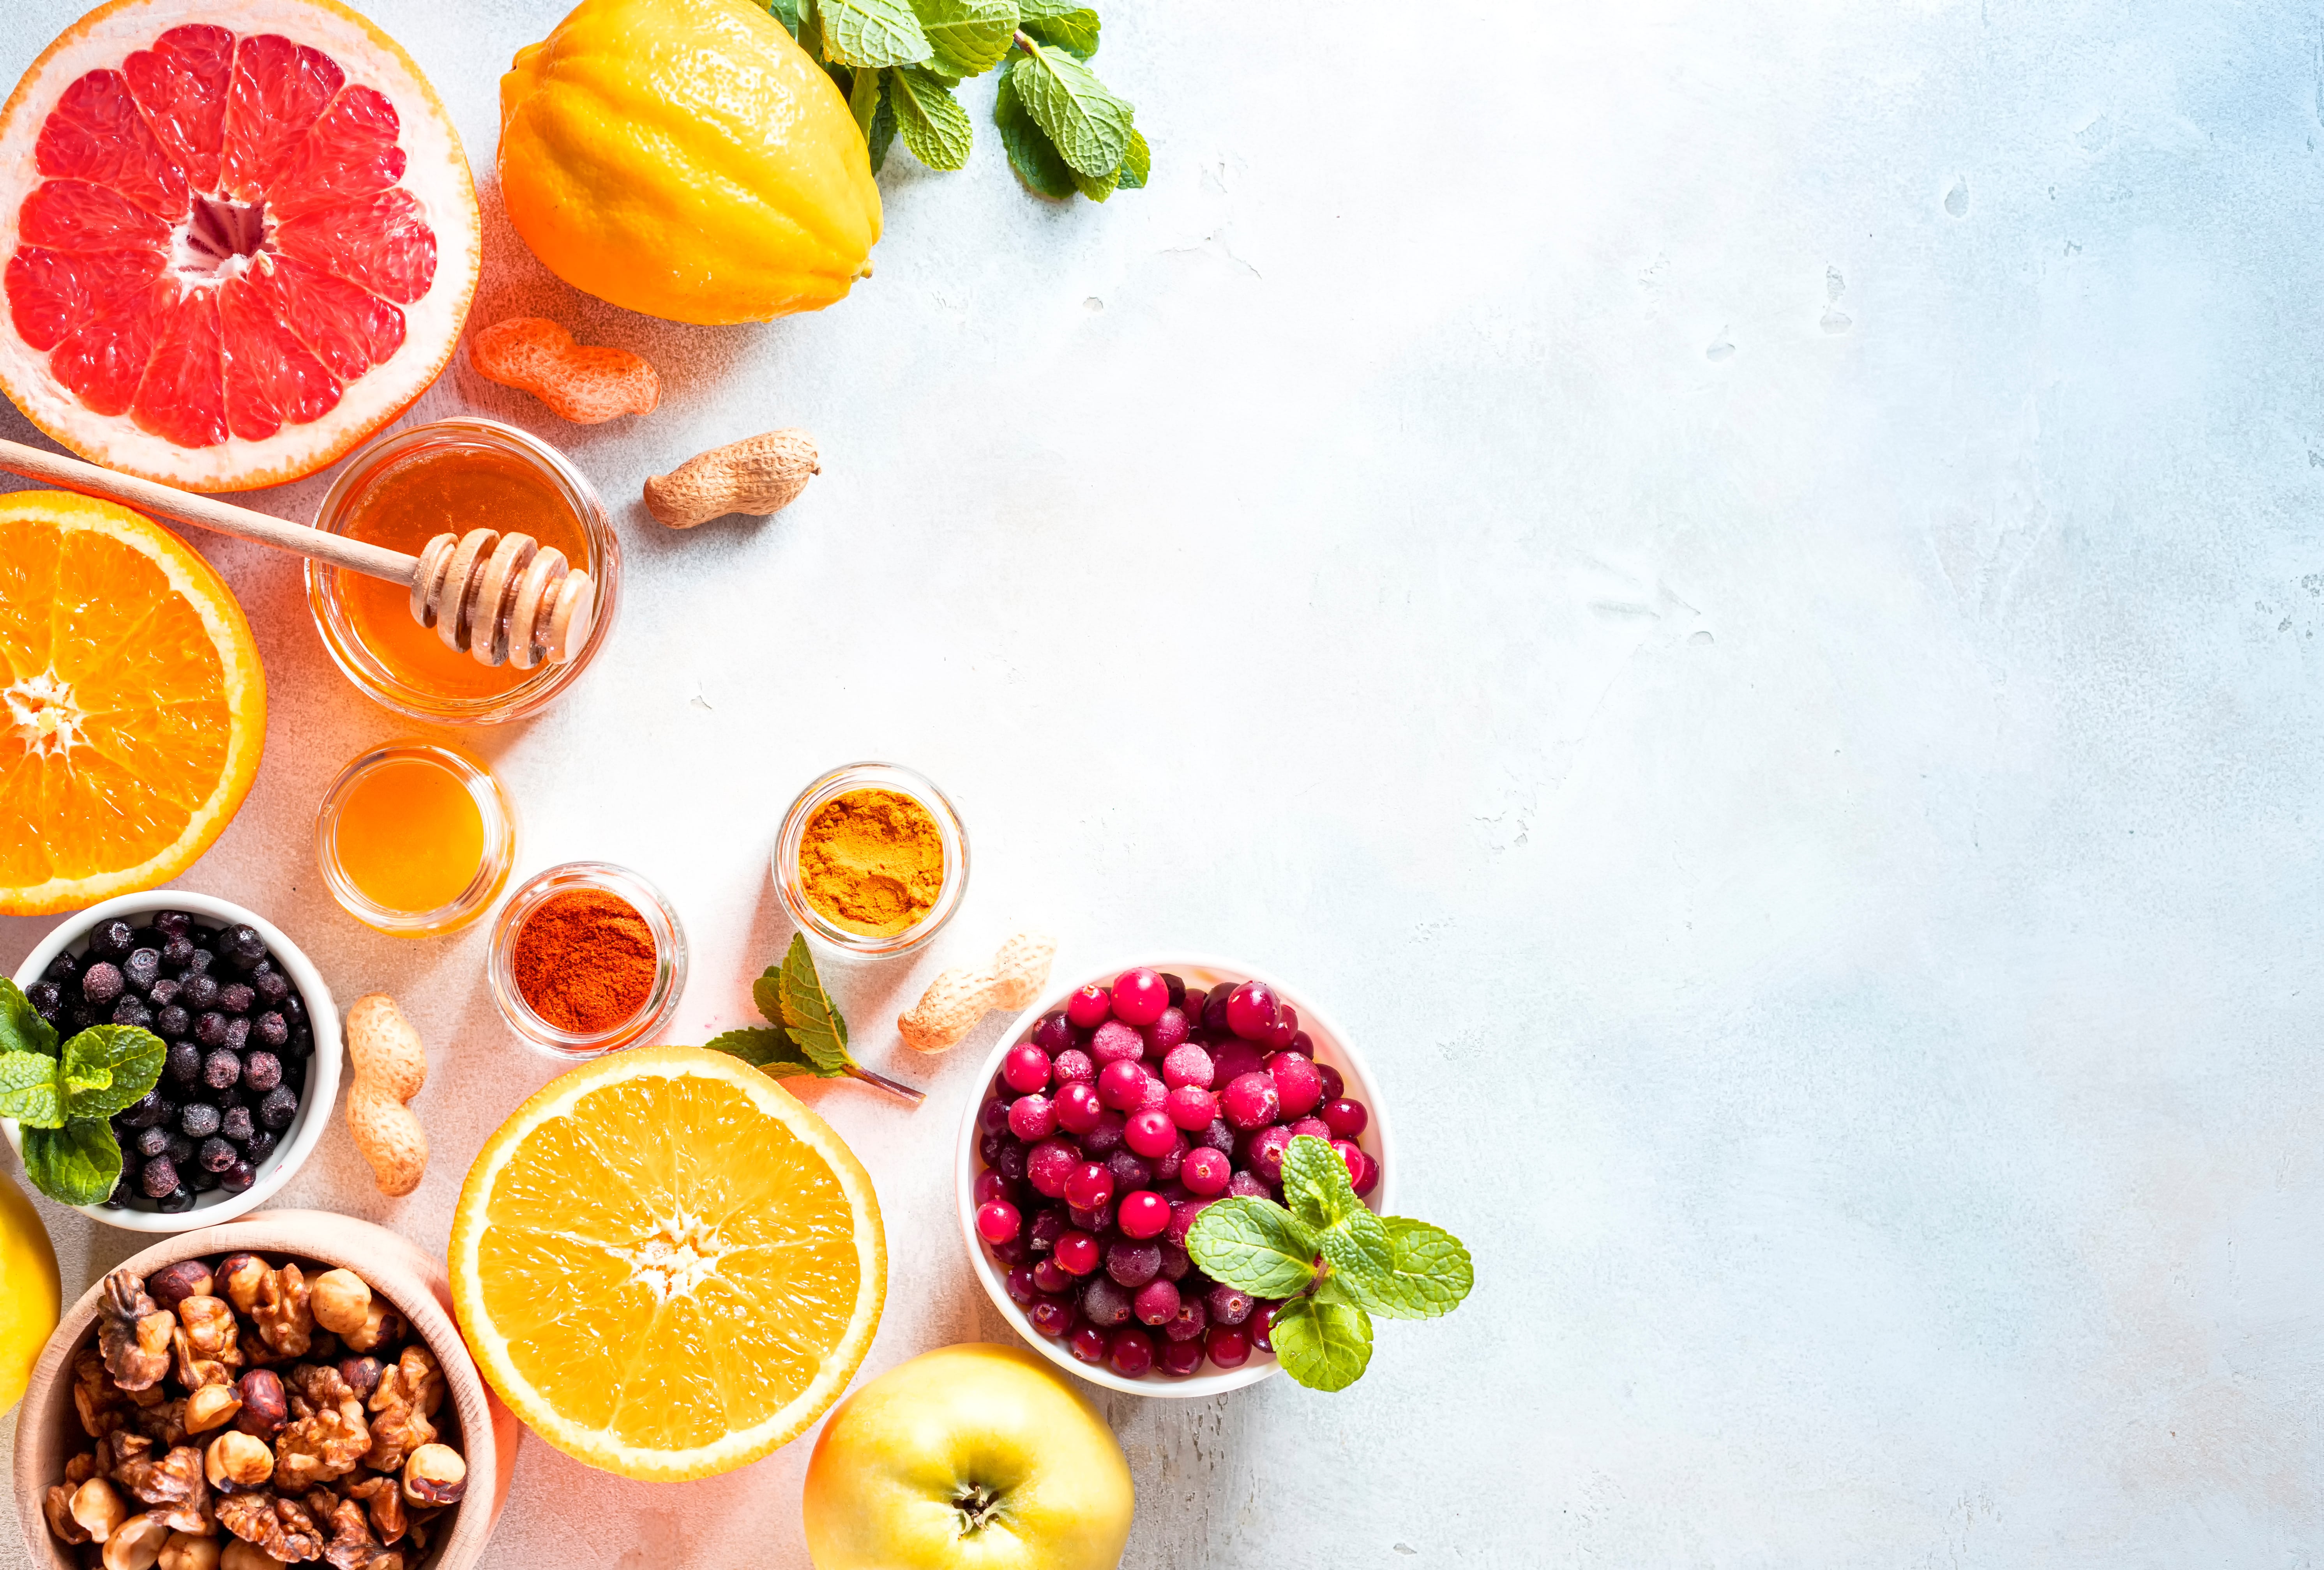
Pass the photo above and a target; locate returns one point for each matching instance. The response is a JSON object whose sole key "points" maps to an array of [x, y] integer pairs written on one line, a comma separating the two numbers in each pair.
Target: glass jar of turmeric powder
{"points": [[872, 860], [586, 957]]}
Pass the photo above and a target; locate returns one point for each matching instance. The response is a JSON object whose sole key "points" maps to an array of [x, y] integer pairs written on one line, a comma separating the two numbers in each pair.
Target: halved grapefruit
{"points": [[240, 237]]}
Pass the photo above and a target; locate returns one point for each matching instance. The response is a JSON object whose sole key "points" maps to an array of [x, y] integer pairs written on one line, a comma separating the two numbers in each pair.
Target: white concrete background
{"points": [[1734, 585]]}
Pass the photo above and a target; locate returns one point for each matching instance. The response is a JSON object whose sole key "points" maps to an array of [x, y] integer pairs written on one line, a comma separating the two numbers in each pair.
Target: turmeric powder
{"points": [[872, 862]]}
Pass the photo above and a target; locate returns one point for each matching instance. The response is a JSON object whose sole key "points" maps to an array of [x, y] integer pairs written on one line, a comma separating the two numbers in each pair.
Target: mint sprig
{"points": [[898, 63], [1331, 1264], [805, 1033], [62, 1095]]}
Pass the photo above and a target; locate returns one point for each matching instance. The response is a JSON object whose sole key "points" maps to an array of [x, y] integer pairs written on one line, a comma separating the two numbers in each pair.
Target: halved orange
{"points": [[133, 702], [666, 1264]]}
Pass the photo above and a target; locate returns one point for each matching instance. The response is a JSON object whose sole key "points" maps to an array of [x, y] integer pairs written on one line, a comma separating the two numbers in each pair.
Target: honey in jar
{"points": [[415, 839], [451, 490]]}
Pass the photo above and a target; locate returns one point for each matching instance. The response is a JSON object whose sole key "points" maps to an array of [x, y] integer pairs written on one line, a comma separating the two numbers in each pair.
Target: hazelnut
{"points": [[185, 1551], [362, 1375], [435, 1475], [264, 1407], [238, 1277], [211, 1404], [242, 1555], [340, 1300], [98, 1509], [137, 1544], [173, 1284], [380, 1325], [238, 1461]]}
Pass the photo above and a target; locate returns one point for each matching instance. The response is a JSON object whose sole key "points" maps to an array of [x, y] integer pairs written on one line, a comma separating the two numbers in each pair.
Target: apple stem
{"points": [[977, 1505]]}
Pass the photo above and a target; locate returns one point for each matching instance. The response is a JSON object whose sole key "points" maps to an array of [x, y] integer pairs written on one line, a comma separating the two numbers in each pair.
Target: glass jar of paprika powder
{"points": [[587, 958]]}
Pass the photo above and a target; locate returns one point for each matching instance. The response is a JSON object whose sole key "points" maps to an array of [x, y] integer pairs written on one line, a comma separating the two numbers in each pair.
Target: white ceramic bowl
{"points": [[322, 1075], [1199, 973]]}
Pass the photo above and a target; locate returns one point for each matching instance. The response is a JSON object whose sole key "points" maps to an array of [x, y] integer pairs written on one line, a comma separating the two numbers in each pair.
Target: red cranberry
{"points": [[1076, 1252], [998, 1222], [1183, 1215], [1053, 1319], [1089, 1007], [1249, 1100], [1139, 996], [1088, 1345], [1227, 1348], [1054, 1033], [1032, 1118], [1229, 1304], [1259, 1327], [1187, 1065], [1143, 1214], [991, 1186], [1253, 1010], [1188, 1323], [1347, 1118], [1179, 1358], [993, 1117], [1090, 1186], [1050, 1165], [1132, 1355], [1026, 1068], [1073, 1065], [1106, 1302], [1151, 1134], [1021, 1289], [1046, 1276], [1156, 1303], [1297, 1085], [1334, 1086], [1077, 1107], [1365, 1181], [1205, 1171], [1265, 1156], [1231, 1059], [1047, 1227], [1102, 1139], [1115, 1042], [1166, 1033], [1122, 1085]]}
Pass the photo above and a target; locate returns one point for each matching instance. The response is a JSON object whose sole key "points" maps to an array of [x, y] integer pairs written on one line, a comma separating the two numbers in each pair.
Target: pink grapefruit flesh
{"points": [[239, 238]]}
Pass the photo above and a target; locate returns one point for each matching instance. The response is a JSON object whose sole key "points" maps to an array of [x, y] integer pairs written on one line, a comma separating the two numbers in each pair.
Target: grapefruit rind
{"points": [[436, 174], [490, 1347], [244, 682]]}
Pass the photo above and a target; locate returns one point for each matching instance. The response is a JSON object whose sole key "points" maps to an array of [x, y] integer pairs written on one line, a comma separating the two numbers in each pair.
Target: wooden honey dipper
{"points": [[501, 597]]}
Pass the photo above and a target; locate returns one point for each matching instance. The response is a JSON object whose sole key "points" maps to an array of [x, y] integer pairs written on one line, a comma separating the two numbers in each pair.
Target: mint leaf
{"points": [[21, 1029], [931, 121], [1031, 153], [1070, 27], [1137, 162], [78, 1164], [786, 12], [969, 36], [1315, 1186], [1252, 1245], [1097, 190], [764, 1047], [108, 1068], [810, 32], [864, 101], [883, 131], [1428, 1275], [870, 32], [1323, 1345], [31, 1090], [1089, 125], [808, 1012]]}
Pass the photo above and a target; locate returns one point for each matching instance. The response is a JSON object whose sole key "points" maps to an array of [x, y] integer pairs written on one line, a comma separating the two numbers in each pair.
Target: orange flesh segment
{"points": [[678, 1183], [88, 619]]}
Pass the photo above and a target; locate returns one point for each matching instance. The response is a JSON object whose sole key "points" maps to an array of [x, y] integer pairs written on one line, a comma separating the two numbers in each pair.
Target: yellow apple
{"points": [[970, 1457], [28, 1297]]}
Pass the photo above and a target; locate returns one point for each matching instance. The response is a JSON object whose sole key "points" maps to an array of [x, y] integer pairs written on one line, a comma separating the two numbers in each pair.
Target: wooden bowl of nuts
{"points": [[285, 1388]]}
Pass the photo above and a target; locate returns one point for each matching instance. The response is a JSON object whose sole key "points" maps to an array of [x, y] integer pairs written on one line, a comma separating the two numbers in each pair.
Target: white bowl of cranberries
{"points": [[1114, 1111]]}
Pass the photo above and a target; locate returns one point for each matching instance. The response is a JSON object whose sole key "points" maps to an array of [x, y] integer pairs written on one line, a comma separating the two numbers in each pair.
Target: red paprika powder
{"points": [[584, 961]]}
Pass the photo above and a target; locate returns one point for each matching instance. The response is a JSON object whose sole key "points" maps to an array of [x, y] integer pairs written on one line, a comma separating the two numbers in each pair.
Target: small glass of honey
{"points": [[401, 490], [415, 839]]}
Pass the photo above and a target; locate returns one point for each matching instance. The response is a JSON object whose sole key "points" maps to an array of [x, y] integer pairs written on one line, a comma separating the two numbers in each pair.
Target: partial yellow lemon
{"points": [[687, 160], [30, 1295], [666, 1264]]}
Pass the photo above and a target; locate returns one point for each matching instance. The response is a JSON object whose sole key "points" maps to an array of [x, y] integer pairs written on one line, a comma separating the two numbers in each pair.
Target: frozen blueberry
{"points": [[198, 962], [237, 1178], [238, 1123], [294, 1009], [301, 1042], [163, 992], [143, 967], [272, 986], [262, 1071], [152, 1142], [176, 923], [46, 998], [241, 945], [281, 1106], [220, 1069], [145, 1110], [185, 1060], [201, 991], [198, 1120], [217, 1155], [131, 1010], [112, 939], [77, 1017], [270, 1030], [64, 970], [181, 1149], [183, 1199], [258, 1146], [173, 1023], [238, 1032], [210, 1028], [101, 983], [175, 953], [159, 1176], [236, 997], [204, 1181]]}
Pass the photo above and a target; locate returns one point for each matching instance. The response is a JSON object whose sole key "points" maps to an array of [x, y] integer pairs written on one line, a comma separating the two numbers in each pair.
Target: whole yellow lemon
{"points": [[30, 1296], [970, 1456], [687, 160]]}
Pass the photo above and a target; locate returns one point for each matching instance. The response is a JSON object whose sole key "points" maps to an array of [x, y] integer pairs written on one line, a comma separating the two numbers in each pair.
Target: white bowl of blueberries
{"points": [[252, 1040]]}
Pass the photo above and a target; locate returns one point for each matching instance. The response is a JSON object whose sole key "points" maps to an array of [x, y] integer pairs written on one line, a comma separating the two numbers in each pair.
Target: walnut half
{"points": [[132, 1333]]}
